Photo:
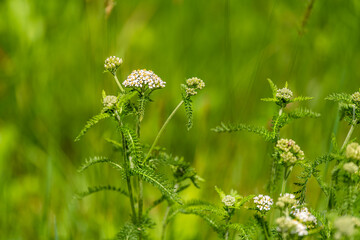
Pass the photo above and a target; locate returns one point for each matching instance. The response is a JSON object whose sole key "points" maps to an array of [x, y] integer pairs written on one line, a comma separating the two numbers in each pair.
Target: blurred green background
{"points": [[51, 78]]}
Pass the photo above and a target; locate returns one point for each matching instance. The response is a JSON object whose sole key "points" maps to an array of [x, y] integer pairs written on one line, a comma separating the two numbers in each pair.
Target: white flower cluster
{"points": [[229, 200], [292, 226], [263, 203], [290, 152], [353, 151], [356, 97], [304, 216], [194, 84], [109, 101], [351, 167], [286, 200], [142, 78], [284, 94], [112, 64]]}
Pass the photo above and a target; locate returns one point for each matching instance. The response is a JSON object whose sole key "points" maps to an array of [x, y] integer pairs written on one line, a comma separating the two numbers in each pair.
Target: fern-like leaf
{"points": [[339, 97], [189, 112], [228, 128], [96, 189], [95, 160], [94, 120], [128, 232], [158, 181], [133, 143], [273, 88], [115, 144], [302, 113]]}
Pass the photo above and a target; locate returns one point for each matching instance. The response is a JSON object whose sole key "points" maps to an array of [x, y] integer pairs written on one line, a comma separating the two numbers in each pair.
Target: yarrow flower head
{"points": [[289, 151], [284, 94], [112, 64], [229, 201], [304, 216], [263, 203], [356, 97], [287, 200], [108, 101], [351, 167], [291, 226], [353, 151], [142, 78], [192, 85]]}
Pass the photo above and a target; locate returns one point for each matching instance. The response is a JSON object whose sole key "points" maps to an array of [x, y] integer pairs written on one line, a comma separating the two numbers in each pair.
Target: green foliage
{"points": [[94, 120], [133, 143], [158, 181], [128, 232], [349, 109], [116, 144], [228, 128], [95, 160], [96, 189], [210, 213], [188, 107]]}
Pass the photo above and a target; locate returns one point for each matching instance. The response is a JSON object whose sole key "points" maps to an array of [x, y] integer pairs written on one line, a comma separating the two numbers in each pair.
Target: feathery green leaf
{"points": [[95, 160], [94, 120]]}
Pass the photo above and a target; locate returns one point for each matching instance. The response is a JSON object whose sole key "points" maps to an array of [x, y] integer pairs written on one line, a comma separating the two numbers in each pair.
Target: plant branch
{"points": [[162, 129]]}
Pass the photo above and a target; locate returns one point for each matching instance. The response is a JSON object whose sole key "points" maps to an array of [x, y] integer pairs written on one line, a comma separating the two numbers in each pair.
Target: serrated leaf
{"points": [[96, 189], [94, 120], [96, 160], [158, 181]]}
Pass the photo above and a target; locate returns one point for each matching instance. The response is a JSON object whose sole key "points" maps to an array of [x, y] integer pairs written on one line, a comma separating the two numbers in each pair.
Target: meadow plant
{"points": [[139, 163]]}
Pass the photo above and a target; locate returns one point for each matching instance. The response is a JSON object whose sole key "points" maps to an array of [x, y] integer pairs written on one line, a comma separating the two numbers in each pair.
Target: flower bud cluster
{"points": [[263, 203], [194, 84], [112, 64], [356, 97], [229, 200], [292, 226], [142, 78], [289, 151], [284, 94], [286, 201], [109, 101], [351, 167], [353, 151]]}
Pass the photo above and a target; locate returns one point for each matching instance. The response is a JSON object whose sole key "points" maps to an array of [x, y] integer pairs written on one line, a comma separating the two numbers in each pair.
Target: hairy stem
{"points": [[162, 128]]}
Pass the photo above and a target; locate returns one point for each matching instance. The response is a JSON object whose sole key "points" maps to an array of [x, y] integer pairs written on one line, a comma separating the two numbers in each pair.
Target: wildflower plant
{"points": [[139, 163], [286, 155]]}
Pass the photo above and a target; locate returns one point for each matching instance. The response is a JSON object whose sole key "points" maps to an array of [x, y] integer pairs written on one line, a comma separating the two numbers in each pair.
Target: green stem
{"points": [[128, 180], [162, 128], [140, 183], [348, 136], [264, 228], [164, 225], [286, 175], [227, 222], [118, 83], [163, 233], [280, 111]]}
